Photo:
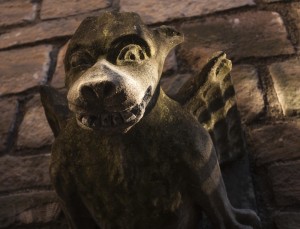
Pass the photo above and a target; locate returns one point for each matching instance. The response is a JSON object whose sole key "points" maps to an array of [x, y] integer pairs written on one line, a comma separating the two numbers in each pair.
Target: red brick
{"points": [[7, 118], [275, 142], [28, 208], [241, 35], [270, 1], [287, 220], [16, 12], [58, 79], [22, 69], [285, 179], [70, 7], [153, 11], [295, 15], [170, 62], [249, 97], [285, 76], [24, 172], [34, 131], [172, 84], [40, 32]]}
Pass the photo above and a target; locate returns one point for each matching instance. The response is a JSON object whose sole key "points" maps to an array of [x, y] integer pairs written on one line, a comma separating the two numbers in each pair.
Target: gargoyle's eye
{"points": [[81, 59], [131, 53]]}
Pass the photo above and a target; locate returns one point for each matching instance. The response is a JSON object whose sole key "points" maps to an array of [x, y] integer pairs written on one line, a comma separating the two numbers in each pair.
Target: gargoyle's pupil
{"points": [[132, 56]]}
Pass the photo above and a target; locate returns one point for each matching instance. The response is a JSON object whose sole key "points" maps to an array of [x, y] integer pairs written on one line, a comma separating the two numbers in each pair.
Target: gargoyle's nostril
{"points": [[88, 93], [109, 89], [98, 90]]}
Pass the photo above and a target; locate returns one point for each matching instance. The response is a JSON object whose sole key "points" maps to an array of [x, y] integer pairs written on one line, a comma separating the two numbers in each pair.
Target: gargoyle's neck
{"points": [[158, 112], [159, 106]]}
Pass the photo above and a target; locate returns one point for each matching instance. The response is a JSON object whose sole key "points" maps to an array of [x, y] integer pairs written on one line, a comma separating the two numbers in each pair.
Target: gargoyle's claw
{"points": [[247, 217]]}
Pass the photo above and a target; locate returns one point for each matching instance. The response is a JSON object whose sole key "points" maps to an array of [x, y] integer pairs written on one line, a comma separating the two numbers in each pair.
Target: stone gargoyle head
{"points": [[113, 66]]}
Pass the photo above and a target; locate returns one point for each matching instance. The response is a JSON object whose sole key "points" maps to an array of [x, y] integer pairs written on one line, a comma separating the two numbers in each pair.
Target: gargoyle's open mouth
{"points": [[110, 121]]}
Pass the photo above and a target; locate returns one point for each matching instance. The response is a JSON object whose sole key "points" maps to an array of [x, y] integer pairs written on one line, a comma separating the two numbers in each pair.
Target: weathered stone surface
{"points": [[7, 117], [70, 7], [172, 84], [287, 220], [23, 68], [16, 11], [27, 208], [248, 34], [249, 97], [285, 179], [277, 142], [58, 79], [34, 131], [24, 172], [155, 11], [286, 78], [39, 32]]}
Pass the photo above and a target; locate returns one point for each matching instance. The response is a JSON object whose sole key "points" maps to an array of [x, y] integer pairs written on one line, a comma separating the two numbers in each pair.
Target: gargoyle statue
{"points": [[127, 156]]}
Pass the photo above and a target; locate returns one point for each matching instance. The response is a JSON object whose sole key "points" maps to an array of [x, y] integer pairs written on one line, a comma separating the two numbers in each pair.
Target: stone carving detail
{"points": [[127, 156]]}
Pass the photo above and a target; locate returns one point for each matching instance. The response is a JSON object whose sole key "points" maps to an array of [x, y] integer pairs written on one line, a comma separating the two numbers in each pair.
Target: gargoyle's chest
{"points": [[117, 178]]}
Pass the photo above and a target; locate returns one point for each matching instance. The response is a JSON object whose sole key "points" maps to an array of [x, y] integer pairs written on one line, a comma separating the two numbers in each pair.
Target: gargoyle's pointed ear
{"points": [[168, 37], [56, 108]]}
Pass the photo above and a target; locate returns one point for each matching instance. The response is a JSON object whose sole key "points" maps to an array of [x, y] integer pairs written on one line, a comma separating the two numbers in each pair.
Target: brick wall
{"points": [[261, 37]]}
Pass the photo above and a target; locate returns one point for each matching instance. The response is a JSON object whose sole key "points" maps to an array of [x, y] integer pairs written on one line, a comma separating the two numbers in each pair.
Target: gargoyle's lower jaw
{"points": [[111, 122]]}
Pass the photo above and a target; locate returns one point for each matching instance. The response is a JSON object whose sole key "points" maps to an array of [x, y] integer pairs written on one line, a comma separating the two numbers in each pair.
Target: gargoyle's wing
{"points": [[210, 97], [56, 108]]}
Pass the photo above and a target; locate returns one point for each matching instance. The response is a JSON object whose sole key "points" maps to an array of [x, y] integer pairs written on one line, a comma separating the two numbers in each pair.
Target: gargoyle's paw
{"points": [[233, 224], [222, 66], [247, 217], [238, 226]]}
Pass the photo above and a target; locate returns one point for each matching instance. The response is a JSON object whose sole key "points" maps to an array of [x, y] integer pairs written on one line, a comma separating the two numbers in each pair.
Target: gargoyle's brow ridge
{"points": [[131, 39], [108, 26], [93, 49]]}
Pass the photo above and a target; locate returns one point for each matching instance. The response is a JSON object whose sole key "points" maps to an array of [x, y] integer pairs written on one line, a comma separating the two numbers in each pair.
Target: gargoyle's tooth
{"points": [[136, 109], [128, 116], [125, 115], [105, 120], [85, 120], [93, 120], [79, 117], [147, 94], [133, 117], [88, 120], [117, 119]]}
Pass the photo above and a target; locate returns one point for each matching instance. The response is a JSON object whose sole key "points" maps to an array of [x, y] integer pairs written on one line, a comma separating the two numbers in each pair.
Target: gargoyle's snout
{"points": [[109, 99], [98, 90], [103, 95]]}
